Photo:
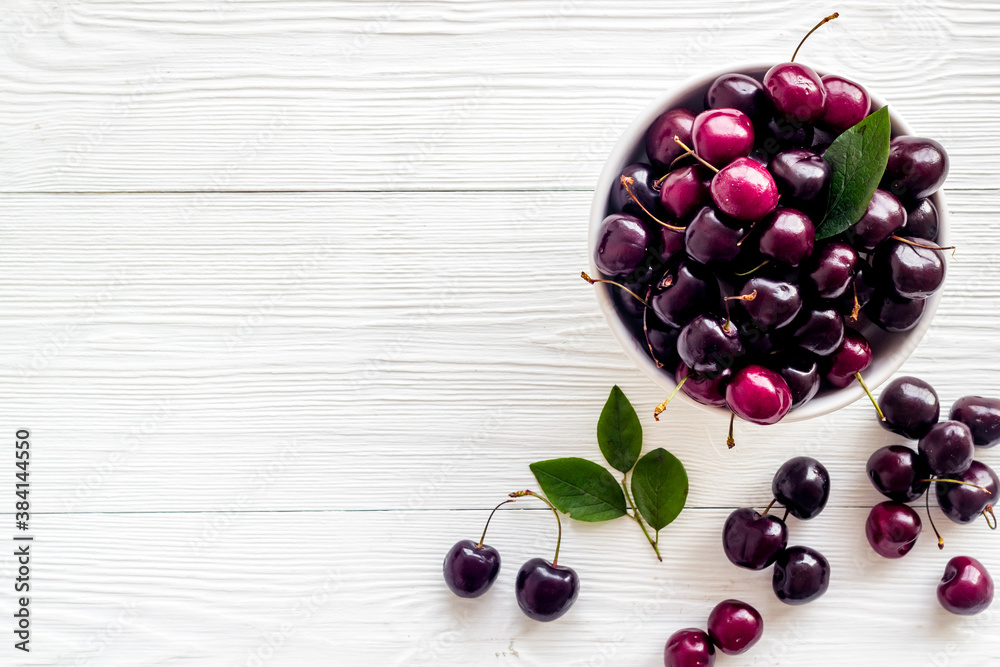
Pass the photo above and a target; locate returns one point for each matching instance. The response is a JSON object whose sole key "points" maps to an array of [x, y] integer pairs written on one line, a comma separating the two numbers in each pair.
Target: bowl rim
{"points": [[629, 142]]}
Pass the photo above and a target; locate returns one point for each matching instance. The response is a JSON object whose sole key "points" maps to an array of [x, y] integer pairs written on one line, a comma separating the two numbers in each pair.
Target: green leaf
{"points": [[857, 160], [659, 487], [580, 488], [619, 432]]}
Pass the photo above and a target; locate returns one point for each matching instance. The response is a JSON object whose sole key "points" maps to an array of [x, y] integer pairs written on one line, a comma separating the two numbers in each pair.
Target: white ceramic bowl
{"points": [[891, 350]]}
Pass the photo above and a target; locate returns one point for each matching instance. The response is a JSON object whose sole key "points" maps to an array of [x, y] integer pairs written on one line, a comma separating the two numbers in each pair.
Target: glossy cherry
{"points": [[801, 575], [831, 269], [741, 92], [685, 291], [708, 239], [819, 331], [734, 627], [776, 302], [982, 416], [801, 372], [884, 216], [948, 448], [894, 314], [662, 342], [707, 390], [853, 356], [911, 407], [963, 503], [787, 236], [668, 244], [892, 529], [781, 134], [470, 568], [909, 271], [802, 485], [847, 103], [545, 591], [685, 190], [753, 541], [922, 220], [744, 190], [800, 174], [690, 647], [966, 587], [758, 395], [621, 245], [722, 135], [661, 149], [635, 192], [898, 473], [916, 169], [709, 345], [796, 92]]}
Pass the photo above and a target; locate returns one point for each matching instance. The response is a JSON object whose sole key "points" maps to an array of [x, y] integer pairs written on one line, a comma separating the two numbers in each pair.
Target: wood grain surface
{"points": [[291, 297]]}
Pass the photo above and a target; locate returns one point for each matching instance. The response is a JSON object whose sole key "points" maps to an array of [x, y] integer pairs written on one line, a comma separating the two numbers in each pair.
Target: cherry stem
{"points": [[627, 182], [755, 269], [857, 304], [483, 538], [638, 519], [988, 514], [645, 333], [769, 506], [785, 517], [958, 481], [924, 245], [817, 27], [593, 281], [731, 441], [927, 504], [663, 406], [521, 494], [695, 155], [749, 234], [868, 391], [739, 297]]}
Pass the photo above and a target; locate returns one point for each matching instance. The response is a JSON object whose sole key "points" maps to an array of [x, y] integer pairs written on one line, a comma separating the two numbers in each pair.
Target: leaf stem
{"points": [[526, 492], [638, 519], [483, 538]]}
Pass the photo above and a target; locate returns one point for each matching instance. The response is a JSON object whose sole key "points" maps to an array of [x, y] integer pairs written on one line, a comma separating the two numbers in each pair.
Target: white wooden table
{"points": [[291, 296]]}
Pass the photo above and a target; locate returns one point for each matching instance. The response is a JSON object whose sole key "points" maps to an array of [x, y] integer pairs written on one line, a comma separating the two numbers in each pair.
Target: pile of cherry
{"points": [[966, 489], [684, 242]]}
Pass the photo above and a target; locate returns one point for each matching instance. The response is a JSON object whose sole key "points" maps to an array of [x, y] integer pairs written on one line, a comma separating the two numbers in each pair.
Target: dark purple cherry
{"points": [[740, 92], [982, 416], [709, 240], [735, 626], [966, 587], [822, 138], [704, 389], [963, 503], [662, 341], [470, 569], [635, 192], [690, 647], [847, 103], [545, 591], [661, 148], [921, 221], [752, 540], [776, 302], [709, 345], [796, 91], [884, 216], [722, 135], [787, 236], [853, 356], [911, 272], [800, 174], [744, 190], [892, 529], [898, 473], [685, 291], [917, 167], [684, 191], [621, 244], [893, 314], [670, 243], [910, 406], [758, 395], [802, 485], [801, 372], [819, 331], [781, 134], [831, 269], [859, 293], [948, 448], [801, 575]]}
